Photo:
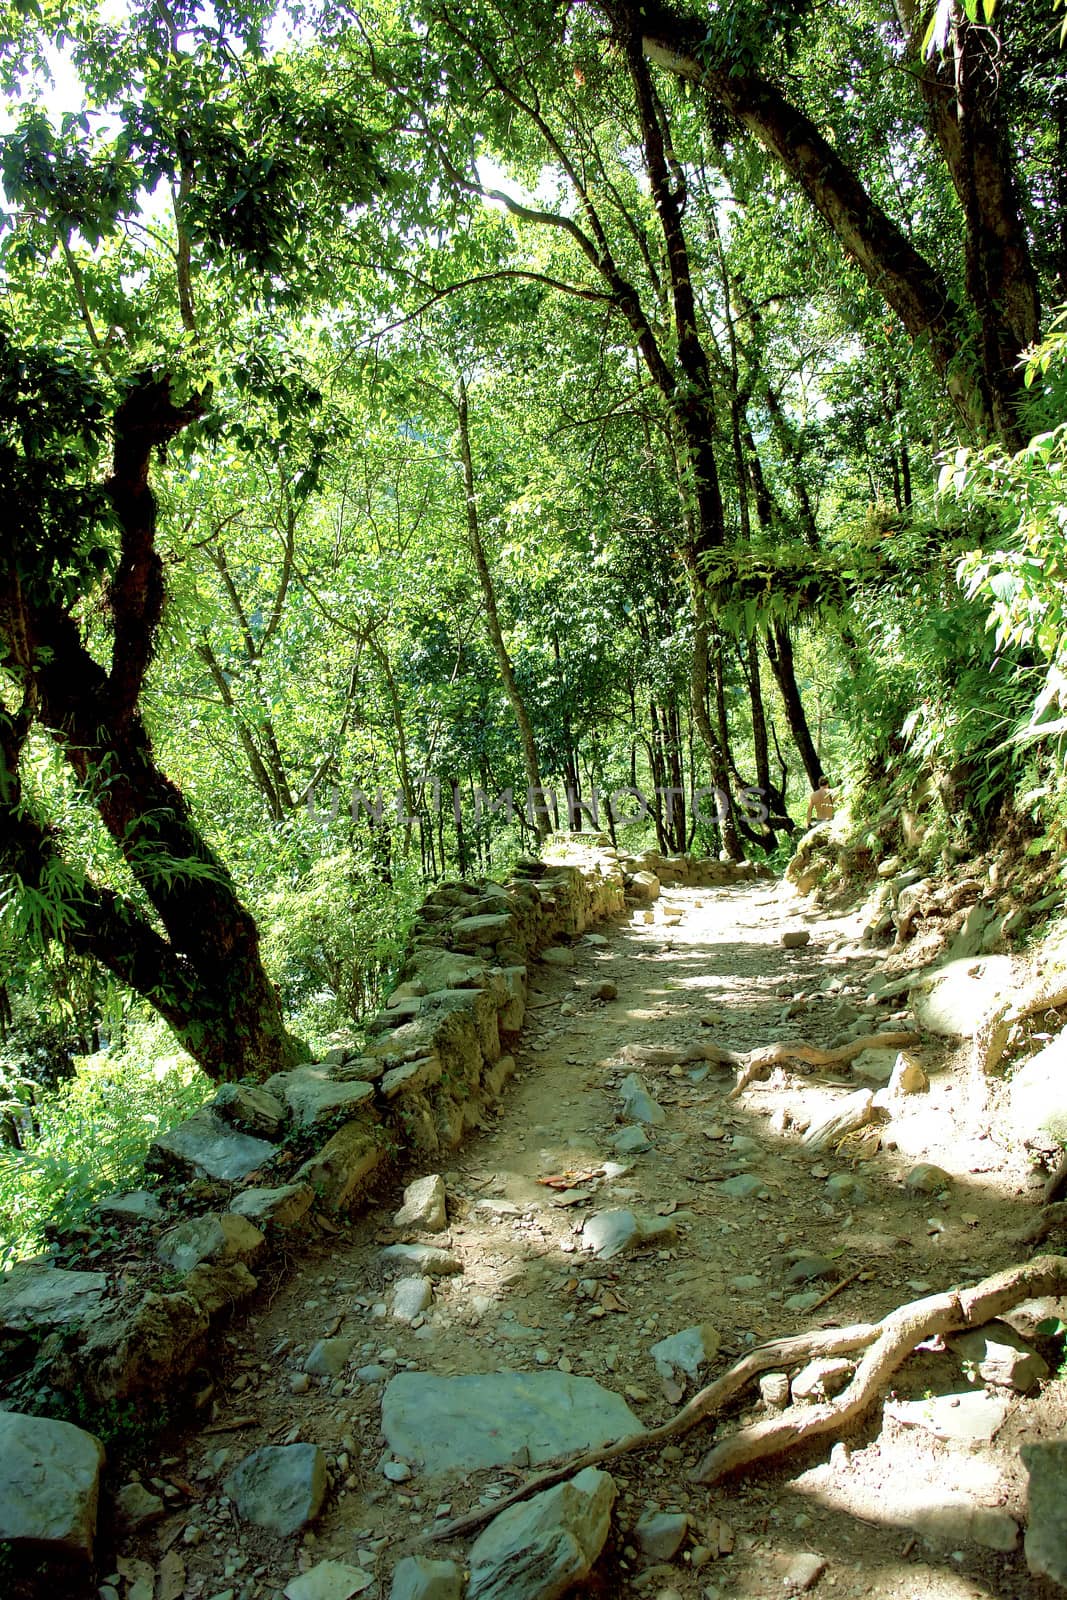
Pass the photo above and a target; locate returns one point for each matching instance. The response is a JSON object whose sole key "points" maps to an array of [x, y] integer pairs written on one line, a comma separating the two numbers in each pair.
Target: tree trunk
{"points": [[541, 819], [203, 973], [962, 90], [717, 756], [780, 656]]}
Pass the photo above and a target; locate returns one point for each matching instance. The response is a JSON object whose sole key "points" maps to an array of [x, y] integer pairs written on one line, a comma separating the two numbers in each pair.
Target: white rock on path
{"points": [[659, 1534], [425, 1259], [411, 1297], [543, 1547], [927, 1179], [973, 1417], [611, 1233], [328, 1358], [686, 1351], [135, 1506], [854, 1111], [908, 1076], [49, 1484], [1001, 1356], [800, 1572], [631, 1141], [424, 1205], [330, 1580]]}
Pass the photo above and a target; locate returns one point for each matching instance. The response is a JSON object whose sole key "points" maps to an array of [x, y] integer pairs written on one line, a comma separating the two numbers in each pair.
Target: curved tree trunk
{"points": [[203, 972]]}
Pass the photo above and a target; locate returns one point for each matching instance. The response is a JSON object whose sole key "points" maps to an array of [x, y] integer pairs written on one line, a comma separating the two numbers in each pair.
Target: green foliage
{"points": [[334, 941], [88, 1137], [53, 419], [741, 35], [1025, 579], [1022, 579]]}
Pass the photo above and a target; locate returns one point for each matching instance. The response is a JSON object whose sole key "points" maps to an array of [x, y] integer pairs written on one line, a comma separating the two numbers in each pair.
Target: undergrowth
{"points": [[88, 1137]]}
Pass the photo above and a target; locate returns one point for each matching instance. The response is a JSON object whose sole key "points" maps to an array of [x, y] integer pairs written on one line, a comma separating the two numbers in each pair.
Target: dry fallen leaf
{"points": [[571, 1180], [171, 1577], [135, 1571], [187, 1489]]}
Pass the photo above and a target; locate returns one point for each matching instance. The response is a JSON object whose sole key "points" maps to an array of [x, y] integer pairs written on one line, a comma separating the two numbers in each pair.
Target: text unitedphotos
{"points": [[620, 806]]}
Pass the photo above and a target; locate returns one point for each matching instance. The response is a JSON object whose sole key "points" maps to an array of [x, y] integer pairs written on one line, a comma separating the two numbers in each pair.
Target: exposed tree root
{"points": [[1057, 1183], [758, 1063], [887, 1343], [1052, 1219], [1047, 992], [894, 1338]]}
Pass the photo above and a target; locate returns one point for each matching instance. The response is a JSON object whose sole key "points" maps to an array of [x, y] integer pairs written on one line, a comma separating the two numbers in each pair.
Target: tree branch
{"points": [[145, 420]]}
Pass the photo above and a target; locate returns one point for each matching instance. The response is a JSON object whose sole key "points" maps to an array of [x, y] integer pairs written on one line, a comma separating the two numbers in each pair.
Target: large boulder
{"points": [[34, 1298], [953, 999], [284, 1207], [143, 1350], [498, 1419], [203, 1146], [490, 928], [49, 1484], [1038, 1096], [251, 1107], [210, 1237], [313, 1095], [339, 1172]]}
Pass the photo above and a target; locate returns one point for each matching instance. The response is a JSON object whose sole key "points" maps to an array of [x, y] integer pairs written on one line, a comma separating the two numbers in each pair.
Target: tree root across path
{"points": [[887, 1344], [758, 1063]]}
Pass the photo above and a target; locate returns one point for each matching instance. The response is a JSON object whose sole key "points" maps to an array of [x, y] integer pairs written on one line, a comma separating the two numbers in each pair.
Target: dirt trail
{"points": [[708, 966]]}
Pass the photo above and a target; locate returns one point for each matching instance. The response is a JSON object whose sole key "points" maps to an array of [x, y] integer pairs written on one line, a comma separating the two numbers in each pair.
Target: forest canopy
{"points": [[404, 408]]}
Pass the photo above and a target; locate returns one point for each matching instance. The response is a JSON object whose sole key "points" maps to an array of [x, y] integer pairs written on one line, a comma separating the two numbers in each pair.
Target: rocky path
{"points": [[620, 1198]]}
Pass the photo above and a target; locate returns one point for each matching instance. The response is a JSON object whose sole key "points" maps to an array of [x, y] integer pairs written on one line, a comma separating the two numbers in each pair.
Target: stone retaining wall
{"points": [[232, 1187]]}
